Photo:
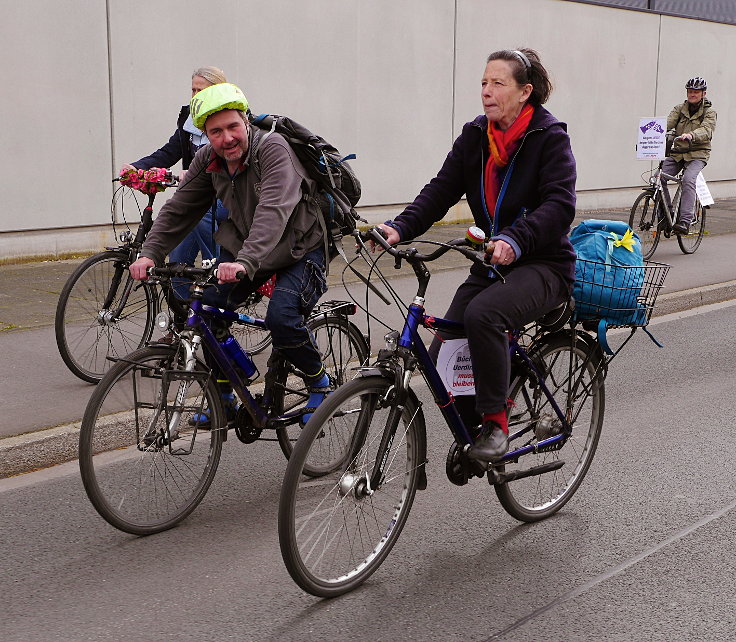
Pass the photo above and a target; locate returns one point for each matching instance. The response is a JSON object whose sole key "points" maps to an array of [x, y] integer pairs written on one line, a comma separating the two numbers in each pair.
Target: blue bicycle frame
{"points": [[196, 321], [409, 340]]}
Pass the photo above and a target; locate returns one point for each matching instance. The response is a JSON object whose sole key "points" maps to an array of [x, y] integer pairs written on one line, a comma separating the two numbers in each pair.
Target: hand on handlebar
{"points": [[139, 269], [228, 272], [391, 234], [499, 253]]}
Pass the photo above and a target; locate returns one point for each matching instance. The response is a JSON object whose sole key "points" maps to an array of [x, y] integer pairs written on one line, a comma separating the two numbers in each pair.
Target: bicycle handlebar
{"points": [[148, 181], [181, 270], [412, 255]]}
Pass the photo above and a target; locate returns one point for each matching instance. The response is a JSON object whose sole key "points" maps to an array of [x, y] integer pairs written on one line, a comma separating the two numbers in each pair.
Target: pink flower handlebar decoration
{"points": [[148, 181]]}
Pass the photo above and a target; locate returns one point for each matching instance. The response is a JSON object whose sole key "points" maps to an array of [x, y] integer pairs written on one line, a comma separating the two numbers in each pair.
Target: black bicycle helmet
{"points": [[696, 83]]}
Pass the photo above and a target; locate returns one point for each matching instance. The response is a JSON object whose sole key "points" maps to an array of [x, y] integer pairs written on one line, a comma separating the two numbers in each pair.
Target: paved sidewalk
{"points": [[29, 293]]}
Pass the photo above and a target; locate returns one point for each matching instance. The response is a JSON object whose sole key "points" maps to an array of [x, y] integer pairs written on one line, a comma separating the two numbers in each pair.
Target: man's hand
{"points": [[500, 253], [126, 167], [226, 272], [687, 136], [139, 268]]}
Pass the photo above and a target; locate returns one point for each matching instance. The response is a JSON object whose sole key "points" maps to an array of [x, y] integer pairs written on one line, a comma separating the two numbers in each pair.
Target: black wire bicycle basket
{"points": [[624, 295]]}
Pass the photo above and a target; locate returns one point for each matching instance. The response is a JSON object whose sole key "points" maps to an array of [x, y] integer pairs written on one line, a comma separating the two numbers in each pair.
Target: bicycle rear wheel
{"points": [[573, 375], [691, 241], [253, 340], [644, 220], [343, 348], [335, 531], [144, 467], [88, 330]]}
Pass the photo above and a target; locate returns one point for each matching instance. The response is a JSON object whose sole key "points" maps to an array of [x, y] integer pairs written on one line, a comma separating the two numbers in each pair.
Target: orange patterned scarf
{"points": [[502, 145]]}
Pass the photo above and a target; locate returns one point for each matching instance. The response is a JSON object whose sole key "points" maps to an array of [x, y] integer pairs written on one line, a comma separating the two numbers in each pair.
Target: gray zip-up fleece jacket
{"points": [[272, 224]]}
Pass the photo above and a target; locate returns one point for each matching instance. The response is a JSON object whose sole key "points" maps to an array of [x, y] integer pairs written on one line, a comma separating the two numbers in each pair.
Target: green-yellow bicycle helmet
{"points": [[215, 98]]}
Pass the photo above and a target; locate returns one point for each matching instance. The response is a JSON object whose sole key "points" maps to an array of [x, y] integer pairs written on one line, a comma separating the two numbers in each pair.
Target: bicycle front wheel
{"points": [[573, 375], [342, 348], [145, 462], [336, 530], [644, 220], [102, 313], [691, 241]]}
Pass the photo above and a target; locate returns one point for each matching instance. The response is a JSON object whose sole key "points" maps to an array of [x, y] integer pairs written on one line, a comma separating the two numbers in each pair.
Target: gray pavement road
{"points": [[43, 402], [643, 551]]}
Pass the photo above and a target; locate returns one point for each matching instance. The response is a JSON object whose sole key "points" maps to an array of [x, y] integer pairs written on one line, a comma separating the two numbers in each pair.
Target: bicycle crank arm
{"points": [[495, 477]]}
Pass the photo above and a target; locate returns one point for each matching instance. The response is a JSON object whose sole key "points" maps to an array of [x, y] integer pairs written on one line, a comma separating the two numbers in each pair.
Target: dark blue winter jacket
{"points": [[179, 148], [536, 203]]}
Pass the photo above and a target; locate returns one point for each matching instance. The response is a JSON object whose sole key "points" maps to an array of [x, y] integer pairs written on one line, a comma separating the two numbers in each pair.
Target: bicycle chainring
{"points": [[456, 466], [245, 431]]}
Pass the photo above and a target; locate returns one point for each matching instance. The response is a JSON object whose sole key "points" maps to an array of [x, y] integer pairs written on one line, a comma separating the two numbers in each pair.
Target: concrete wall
{"points": [[392, 82]]}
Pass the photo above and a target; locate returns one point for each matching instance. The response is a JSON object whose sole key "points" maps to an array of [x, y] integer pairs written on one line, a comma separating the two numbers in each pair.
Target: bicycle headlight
{"points": [[391, 340]]}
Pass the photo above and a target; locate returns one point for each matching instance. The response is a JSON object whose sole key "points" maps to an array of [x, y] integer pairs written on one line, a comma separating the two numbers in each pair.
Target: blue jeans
{"points": [[298, 288], [198, 240]]}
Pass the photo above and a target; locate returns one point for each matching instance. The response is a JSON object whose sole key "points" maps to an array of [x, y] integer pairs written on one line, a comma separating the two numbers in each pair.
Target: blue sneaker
{"points": [[317, 394], [229, 402]]}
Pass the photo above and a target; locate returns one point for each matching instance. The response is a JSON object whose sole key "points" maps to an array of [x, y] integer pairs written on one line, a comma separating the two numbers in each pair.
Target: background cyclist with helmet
{"points": [[273, 226], [182, 146], [692, 122]]}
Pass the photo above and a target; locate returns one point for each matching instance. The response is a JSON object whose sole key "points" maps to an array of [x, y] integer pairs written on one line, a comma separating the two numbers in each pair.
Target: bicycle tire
{"points": [[563, 361], [333, 534], [253, 340], [690, 242], [644, 221], [342, 347], [136, 483], [85, 334]]}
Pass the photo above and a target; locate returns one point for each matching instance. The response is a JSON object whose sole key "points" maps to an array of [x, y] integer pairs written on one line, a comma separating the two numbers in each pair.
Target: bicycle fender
{"points": [[590, 340]]}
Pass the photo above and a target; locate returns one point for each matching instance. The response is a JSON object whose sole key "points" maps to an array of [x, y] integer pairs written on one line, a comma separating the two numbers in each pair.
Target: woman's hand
{"points": [[227, 272], [500, 253], [392, 236]]}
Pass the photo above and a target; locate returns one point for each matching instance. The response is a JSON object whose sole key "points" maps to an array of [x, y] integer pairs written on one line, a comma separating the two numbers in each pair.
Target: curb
{"points": [[694, 298], [43, 448], [40, 449]]}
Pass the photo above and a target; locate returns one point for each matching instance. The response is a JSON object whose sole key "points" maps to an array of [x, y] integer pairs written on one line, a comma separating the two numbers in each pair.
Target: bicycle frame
{"points": [[413, 352], [411, 342], [131, 246], [661, 194], [197, 321]]}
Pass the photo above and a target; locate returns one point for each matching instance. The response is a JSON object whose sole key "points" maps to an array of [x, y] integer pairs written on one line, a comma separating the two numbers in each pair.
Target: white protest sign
{"points": [[701, 189], [652, 139], [453, 366]]}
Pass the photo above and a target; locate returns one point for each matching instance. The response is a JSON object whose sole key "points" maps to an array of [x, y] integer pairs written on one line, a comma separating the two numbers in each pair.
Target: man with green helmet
{"points": [[273, 226]]}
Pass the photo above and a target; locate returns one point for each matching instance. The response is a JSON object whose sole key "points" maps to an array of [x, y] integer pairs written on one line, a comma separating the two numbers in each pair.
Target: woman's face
{"points": [[503, 98], [198, 84]]}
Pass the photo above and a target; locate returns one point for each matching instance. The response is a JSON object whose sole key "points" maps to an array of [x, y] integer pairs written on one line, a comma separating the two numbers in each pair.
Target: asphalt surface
{"points": [[34, 383], [642, 552]]}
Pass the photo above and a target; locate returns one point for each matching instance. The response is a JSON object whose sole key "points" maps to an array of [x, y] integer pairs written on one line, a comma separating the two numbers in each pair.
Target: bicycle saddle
{"points": [[556, 319]]}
